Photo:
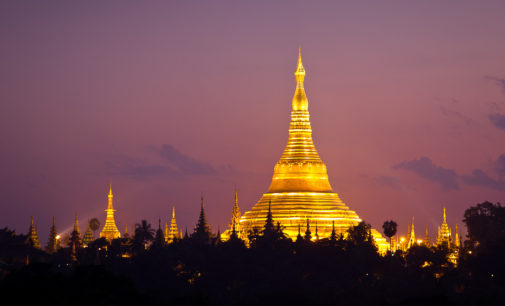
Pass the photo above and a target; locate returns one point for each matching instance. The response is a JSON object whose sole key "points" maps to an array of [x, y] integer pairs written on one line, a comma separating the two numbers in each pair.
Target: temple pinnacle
{"points": [[300, 71], [110, 230]]}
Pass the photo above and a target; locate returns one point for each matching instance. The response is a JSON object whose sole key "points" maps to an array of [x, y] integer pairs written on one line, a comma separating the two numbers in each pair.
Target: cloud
{"points": [[425, 168], [499, 166], [481, 178], [448, 178], [184, 163], [498, 120], [389, 181], [498, 81], [452, 113], [138, 169], [170, 163]]}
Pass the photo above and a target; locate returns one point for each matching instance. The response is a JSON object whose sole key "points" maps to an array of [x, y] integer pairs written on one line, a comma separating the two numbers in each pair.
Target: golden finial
{"points": [[110, 189], [173, 211], [300, 71], [300, 102]]}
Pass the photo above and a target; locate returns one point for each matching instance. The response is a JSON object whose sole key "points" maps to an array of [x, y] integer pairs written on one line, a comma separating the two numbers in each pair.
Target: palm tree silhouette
{"points": [[144, 233], [389, 228]]}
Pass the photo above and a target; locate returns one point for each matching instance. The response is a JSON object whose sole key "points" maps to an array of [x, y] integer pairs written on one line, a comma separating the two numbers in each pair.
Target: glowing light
{"points": [[110, 230], [300, 188]]}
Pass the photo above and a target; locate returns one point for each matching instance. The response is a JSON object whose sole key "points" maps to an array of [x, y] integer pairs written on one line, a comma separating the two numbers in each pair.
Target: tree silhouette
{"points": [[143, 233], [360, 233], [485, 223], [390, 228]]}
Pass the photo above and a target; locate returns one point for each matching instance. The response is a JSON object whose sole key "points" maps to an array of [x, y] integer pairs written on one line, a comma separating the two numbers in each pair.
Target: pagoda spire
{"points": [[75, 236], [427, 241], [269, 223], [126, 235], [235, 215], [88, 235], [300, 185], [159, 239], [202, 229], [166, 231], [308, 236], [33, 236], [444, 233], [300, 167], [173, 233], [412, 235], [333, 235], [110, 230], [52, 242], [76, 225], [457, 239]]}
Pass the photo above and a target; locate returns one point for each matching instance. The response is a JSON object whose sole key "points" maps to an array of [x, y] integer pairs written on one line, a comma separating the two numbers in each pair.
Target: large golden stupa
{"points": [[300, 189]]}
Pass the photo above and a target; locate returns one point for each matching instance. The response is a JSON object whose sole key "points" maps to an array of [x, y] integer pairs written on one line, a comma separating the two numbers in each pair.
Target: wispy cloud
{"points": [[137, 169], [479, 177], [184, 163], [425, 168], [448, 178], [170, 163], [455, 114], [499, 166], [498, 81], [498, 120]]}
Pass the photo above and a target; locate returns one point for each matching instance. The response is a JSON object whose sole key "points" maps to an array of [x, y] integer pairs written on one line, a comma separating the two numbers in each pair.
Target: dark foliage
{"points": [[275, 271]]}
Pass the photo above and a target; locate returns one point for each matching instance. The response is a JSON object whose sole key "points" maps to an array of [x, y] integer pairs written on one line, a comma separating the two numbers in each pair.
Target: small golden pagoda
{"points": [[411, 238], [173, 233], [300, 189], [110, 230], [444, 233], [426, 241], [33, 236], [234, 222], [88, 235]]}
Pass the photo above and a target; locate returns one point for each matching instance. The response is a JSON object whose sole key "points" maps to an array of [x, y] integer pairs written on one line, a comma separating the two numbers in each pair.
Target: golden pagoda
{"points": [[426, 241], [88, 235], [411, 238], [457, 238], [33, 236], [173, 233], [110, 230], [234, 222], [444, 233], [300, 189]]}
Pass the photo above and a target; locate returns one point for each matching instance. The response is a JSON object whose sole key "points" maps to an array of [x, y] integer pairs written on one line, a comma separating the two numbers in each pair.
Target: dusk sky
{"points": [[171, 99]]}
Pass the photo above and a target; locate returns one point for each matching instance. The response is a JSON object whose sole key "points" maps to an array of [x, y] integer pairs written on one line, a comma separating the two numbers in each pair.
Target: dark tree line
{"points": [[200, 269]]}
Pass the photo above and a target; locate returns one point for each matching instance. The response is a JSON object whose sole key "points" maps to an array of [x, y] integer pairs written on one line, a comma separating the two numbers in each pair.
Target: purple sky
{"points": [[171, 99]]}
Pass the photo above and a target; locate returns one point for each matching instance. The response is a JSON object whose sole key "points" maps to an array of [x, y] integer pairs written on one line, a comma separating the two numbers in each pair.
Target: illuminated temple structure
{"points": [[300, 189], [110, 230]]}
